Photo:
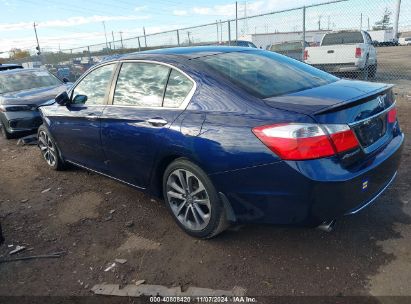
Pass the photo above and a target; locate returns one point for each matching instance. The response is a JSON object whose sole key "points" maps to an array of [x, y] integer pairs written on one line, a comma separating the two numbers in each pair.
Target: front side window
{"points": [[178, 87], [266, 74], [26, 80], [92, 88], [141, 84]]}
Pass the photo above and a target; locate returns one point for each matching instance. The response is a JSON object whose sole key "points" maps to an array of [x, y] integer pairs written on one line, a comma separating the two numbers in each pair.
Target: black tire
{"points": [[5, 133], [365, 72], [372, 71], [217, 221], [58, 163]]}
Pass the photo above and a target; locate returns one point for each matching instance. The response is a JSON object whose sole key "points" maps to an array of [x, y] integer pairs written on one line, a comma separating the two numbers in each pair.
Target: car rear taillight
{"points": [[305, 54], [392, 115], [357, 52], [295, 141]]}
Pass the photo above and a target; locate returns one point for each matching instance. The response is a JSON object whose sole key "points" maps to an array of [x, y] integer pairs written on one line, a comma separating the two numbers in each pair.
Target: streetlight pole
{"points": [[37, 39]]}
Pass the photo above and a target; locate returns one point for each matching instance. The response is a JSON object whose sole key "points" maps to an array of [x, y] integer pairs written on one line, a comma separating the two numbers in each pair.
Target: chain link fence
{"points": [[296, 33]]}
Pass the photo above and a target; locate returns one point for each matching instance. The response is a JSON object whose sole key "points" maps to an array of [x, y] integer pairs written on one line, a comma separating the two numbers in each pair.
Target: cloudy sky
{"points": [[69, 24]]}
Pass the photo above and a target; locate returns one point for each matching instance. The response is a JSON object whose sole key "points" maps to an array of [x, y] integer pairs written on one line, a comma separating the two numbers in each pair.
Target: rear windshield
{"points": [[266, 74], [13, 82], [342, 38]]}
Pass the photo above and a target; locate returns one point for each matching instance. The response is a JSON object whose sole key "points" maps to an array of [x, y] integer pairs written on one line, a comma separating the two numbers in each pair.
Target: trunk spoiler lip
{"points": [[358, 100], [353, 124]]}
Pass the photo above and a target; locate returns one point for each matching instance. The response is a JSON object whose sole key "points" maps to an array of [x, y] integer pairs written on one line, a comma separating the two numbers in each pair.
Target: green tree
{"points": [[19, 54]]}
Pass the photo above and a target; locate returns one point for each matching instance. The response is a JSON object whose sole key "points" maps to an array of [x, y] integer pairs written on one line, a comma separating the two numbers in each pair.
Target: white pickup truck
{"points": [[344, 52]]}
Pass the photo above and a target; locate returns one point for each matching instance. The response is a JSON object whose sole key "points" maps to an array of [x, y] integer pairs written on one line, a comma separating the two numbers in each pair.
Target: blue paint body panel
{"points": [[214, 131]]}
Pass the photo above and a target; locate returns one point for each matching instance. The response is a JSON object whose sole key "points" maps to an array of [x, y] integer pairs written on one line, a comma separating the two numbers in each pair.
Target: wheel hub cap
{"points": [[47, 148], [188, 199]]}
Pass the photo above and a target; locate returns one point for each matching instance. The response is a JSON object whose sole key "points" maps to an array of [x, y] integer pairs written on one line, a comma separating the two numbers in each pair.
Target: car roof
{"points": [[6, 66], [16, 71], [187, 52]]}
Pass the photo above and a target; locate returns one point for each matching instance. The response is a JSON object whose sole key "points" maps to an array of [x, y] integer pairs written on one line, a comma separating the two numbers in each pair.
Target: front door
{"points": [[77, 125]]}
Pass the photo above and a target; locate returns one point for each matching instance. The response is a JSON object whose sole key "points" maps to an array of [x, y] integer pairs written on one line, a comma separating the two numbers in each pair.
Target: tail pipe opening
{"points": [[327, 226]]}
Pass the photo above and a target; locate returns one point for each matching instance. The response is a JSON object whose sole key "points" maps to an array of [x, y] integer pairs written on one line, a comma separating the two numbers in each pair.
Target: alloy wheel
{"points": [[188, 199], [47, 148]]}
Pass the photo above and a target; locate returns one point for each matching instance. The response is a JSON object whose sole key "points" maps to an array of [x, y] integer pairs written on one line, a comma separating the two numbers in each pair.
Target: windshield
{"points": [[26, 80], [266, 74], [342, 38]]}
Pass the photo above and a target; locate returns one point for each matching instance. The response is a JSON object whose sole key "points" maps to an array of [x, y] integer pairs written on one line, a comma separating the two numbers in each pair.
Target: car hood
{"points": [[326, 97], [32, 97]]}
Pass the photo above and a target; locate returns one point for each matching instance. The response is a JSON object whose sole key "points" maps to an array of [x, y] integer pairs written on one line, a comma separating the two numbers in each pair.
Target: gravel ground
{"points": [[88, 216]]}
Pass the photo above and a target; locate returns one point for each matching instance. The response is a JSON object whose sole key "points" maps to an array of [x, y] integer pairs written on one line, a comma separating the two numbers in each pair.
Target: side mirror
{"points": [[65, 80], [62, 98], [80, 99]]}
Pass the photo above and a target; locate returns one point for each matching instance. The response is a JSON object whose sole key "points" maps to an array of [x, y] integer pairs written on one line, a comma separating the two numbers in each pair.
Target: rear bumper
{"points": [[308, 192], [373, 199], [339, 68], [21, 121]]}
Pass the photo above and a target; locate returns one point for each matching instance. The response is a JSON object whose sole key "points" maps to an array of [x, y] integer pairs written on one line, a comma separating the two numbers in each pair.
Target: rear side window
{"points": [[141, 84], [266, 74], [178, 87], [342, 38]]}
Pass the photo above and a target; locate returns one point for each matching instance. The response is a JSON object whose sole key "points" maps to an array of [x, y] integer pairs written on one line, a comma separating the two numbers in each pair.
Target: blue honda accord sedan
{"points": [[229, 135]]}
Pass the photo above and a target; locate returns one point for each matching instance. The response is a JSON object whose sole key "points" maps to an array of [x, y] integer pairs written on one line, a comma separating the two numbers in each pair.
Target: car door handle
{"points": [[157, 122], [92, 117]]}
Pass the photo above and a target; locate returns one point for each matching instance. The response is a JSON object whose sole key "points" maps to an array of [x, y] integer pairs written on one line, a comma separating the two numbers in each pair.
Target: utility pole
{"points": [[361, 22], [105, 33], [397, 18], [368, 23], [236, 21], [145, 38], [37, 39], [303, 42], [121, 38], [188, 34], [319, 22], [112, 35]]}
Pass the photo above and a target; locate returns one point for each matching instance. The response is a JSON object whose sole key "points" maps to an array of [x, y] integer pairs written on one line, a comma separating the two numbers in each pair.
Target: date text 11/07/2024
{"points": [[203, 299]]}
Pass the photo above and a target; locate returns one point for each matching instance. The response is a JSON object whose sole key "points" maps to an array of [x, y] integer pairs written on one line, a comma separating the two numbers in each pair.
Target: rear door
{"points": [[145, 101], [77, 125]]}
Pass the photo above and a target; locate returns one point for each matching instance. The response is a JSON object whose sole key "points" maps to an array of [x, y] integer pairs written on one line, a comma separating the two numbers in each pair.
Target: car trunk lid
{"points": [[363, 106]]}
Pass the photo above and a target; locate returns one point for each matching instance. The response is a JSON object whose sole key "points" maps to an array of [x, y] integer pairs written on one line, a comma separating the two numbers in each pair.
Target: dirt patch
{"points": [[80, 206], [135, 242]]}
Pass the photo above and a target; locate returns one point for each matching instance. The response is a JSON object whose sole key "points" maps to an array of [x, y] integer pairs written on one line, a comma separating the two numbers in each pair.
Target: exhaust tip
{"points": [[327, 226]]}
